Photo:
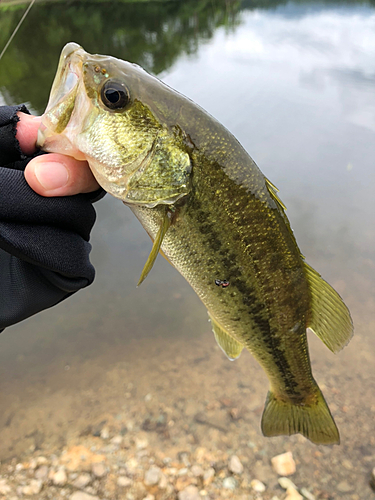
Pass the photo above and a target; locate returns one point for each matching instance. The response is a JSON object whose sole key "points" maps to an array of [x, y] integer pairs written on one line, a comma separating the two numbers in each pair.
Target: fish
{"points": [[213, 215]]}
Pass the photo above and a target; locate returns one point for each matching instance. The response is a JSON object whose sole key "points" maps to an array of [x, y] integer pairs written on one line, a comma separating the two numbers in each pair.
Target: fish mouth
{"points": [[67, 74], [63, 94]]}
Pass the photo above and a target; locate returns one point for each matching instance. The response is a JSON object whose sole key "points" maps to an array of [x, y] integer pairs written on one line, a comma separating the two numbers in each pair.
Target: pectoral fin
{"points": [[330, 318], [156, 246], [231, 347]]}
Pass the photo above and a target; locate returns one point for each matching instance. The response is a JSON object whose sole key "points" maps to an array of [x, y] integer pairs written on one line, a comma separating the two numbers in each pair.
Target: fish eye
{"points": [[114, 95]]}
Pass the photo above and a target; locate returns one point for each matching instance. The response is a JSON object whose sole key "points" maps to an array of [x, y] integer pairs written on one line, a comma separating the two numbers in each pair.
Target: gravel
{"points": [[284, 464], [235, 465]]}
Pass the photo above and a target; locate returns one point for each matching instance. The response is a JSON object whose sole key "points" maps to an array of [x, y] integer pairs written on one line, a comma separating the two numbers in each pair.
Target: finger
{"points": [[27, 132], [58, 175]]}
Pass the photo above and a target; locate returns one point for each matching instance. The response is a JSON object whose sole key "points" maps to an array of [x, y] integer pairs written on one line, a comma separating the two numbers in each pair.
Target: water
{"points": [[295, 84]]}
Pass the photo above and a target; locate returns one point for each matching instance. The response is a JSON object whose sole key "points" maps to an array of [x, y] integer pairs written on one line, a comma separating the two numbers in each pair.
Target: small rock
{"points": [[59, 478], [230, 483], [197, 471], [284, 464], [292, 494], [99, 469], [344, 487], [149, 497], [258, 486], [95, 430], [117, 440], [4, 487], [19, 467], [235, 413], [347, 464], [200, 453], [42, 473], [41, 460], [208, 476], [82, 481], [32, 464], [183, 482], [33, 488], [141, 443], [152, 476], [235, 465], [80, 495], [306, 494], [286, 483], [163, 483], [132, 466], [291, 489], [104, 433], [124, 482], [189, 493], [91, 490]]}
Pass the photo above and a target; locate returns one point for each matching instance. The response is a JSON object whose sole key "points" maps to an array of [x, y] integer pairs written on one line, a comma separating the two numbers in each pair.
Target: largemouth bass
{"points": [[213, 214]]}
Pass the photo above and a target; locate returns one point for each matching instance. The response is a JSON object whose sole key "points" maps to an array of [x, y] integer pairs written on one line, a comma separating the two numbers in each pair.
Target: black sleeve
{"points": [[44, 242]]}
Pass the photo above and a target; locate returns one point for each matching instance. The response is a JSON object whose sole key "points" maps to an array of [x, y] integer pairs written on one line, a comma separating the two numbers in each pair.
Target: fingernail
{"points": [[51, 175]]}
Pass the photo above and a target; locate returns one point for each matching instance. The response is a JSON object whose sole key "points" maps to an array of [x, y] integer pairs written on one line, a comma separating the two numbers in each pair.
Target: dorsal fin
{"points": [[231, 347], [272, 189], [273, 192], [156, 246], [330, 318]]}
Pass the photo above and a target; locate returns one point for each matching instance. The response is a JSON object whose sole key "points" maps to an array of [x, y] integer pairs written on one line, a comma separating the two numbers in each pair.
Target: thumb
{"points": [[59, 175]]}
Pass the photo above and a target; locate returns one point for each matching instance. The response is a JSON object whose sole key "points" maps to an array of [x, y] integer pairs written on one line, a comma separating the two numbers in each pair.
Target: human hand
{"points": [[52, 174]]}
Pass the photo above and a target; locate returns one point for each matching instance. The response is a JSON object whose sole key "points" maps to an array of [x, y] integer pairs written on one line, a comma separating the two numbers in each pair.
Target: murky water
{"points": [[295, 83]]}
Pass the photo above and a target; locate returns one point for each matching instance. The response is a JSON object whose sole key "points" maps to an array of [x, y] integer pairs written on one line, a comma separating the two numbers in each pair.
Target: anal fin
{"points": [[330, 318], [231, 347], [156, 246]]}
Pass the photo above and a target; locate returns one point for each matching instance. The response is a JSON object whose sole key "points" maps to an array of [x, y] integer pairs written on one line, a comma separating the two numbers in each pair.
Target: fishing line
{"points": [[17, 28]]}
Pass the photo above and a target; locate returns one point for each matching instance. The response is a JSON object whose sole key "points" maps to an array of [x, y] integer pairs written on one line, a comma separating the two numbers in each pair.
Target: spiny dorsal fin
{"points": [[273, 192], [231, 347], [156, 246], [330, 318], [272, 189]]}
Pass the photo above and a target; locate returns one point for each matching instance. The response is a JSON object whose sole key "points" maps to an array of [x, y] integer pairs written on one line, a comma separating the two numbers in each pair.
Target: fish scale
{"points": [[247, 298]]}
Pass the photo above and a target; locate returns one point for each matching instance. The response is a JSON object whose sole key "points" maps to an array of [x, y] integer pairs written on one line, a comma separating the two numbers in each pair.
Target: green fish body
{"points": [[213, 214]]}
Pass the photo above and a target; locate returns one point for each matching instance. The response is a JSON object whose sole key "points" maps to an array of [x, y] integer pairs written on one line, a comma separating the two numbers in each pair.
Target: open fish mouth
{"points": [[64, 89], [67, 75], [62, 100], [71, 79]]}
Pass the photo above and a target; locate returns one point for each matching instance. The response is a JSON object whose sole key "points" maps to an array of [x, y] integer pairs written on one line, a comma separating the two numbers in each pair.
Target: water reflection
{"points": [[295, 83], [153, 37]]}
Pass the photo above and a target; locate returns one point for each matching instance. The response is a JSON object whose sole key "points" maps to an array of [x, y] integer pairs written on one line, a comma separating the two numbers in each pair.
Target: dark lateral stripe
{"points": [[256, 309]]}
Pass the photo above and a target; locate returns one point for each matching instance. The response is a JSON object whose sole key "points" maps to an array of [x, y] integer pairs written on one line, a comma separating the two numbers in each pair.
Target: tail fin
{"points": [[314, 421]]}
